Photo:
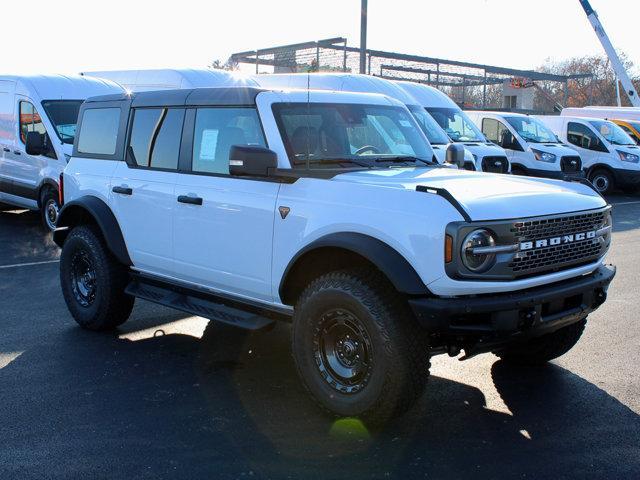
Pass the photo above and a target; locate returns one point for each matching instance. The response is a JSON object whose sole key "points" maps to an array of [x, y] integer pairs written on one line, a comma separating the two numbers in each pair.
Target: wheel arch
{"points": [[46, 183], [599, 166], [343, 250], [92, 210]]}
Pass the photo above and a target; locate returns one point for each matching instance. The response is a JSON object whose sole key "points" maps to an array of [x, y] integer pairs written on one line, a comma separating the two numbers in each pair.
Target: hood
{"points": [[487, 196], [557, 149], [481, 149]]}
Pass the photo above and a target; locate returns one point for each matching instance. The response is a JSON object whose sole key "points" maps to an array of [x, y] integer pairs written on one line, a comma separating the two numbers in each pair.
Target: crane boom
{"points": [[618, 68]]}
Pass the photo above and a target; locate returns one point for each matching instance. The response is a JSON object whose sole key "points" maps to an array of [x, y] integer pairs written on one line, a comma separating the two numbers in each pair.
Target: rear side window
{"points": [[99, 131], [216, 130], [155, 137], [493, 129]]}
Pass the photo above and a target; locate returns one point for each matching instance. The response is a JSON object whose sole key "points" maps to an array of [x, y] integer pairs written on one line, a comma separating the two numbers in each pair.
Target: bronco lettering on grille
{"points": [[561, 240]]}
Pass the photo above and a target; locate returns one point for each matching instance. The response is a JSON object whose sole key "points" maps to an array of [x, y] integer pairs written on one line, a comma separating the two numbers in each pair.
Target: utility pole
{"points": [[363, 36]]}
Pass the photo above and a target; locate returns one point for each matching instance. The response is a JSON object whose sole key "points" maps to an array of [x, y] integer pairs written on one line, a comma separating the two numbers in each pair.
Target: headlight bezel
{"points": [[545, 157], [479, 237], [628, 157]]}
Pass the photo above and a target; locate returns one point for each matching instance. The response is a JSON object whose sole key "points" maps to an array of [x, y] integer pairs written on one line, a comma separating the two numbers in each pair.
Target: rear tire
{"points": [[357, 347], [93, 282], [602, 180], [545, 348], [49, 208]]}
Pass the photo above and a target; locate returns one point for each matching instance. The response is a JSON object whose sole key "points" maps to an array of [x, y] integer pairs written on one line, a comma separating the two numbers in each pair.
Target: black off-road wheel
{"points": [[545, 348], [357, 346], [49, 208], [93, 282]]}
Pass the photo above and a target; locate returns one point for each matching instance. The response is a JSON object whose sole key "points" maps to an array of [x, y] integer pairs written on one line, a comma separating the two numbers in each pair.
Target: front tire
{"points": [[545, 348], [602, 180], [357, 347], [93, 282], [49, 208]]}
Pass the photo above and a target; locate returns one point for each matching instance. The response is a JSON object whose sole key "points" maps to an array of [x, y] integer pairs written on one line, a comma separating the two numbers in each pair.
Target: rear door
{"points": [[142, 188], [223, 225]]}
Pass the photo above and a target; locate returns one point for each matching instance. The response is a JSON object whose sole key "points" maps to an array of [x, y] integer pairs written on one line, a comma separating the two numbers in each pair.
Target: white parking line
{"points": [[28, 264], [633, 202]]}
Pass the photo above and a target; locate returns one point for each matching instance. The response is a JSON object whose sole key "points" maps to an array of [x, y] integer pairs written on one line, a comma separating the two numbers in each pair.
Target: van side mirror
{"points": [[35, 144], [455, 155], [251, 160]]}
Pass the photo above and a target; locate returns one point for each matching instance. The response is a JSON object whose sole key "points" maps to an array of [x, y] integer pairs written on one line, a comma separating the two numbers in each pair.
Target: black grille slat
{"points": [[495, 164], [570, 164]]}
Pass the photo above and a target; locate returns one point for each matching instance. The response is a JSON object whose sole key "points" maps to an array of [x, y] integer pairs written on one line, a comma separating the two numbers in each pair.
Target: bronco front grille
{"points": [[544, 256]]}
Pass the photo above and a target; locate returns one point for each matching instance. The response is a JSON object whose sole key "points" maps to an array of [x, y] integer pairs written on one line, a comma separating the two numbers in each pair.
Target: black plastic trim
{"points": [[71, 215], [444, 193]]}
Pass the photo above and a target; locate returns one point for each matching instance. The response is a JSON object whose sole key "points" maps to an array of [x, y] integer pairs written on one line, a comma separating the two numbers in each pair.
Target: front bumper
{"points": [[554, 174], [627, 178], [495, 319]]}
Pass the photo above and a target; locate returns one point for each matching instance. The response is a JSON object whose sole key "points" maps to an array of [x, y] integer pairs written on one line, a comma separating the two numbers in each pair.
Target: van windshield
{"points": [[63, 114], [612, 132], [532, 130], [457, 125], [429, 126], [335, 135]]}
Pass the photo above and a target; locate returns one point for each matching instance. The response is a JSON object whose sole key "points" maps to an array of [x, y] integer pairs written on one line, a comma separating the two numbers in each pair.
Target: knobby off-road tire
{"points": [[93, 281], [357, 346], [545, 348]]}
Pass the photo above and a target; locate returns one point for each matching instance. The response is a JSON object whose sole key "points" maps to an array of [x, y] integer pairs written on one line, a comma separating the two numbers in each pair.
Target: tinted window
{"points": [[456, 124], [216, 130], [631, 133], [155, 137], [493, 129], [99, 131], [63, 114], [582, 136], [30, 121]]}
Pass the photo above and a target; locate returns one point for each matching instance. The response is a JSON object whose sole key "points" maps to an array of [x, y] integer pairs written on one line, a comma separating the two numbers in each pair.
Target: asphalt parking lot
{"points": [[173, 396]]}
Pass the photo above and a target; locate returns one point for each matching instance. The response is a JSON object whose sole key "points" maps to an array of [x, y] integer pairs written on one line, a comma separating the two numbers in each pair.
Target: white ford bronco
{"points": [[324, 209]]}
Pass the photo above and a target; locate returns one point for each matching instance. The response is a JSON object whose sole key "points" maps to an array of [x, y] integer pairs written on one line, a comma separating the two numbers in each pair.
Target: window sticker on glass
{"points": [[208, 145], [405, 123]]}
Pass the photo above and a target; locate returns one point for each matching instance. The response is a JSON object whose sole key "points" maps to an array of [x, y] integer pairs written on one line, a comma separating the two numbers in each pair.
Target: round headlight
{"points": [[478, 262]]}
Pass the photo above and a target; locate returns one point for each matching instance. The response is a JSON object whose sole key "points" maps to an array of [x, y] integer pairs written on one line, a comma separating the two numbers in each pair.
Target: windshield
{"points": [[457, 125], [63, 114], [532, 130], [429, 126], [350, 134], [612, 132]]}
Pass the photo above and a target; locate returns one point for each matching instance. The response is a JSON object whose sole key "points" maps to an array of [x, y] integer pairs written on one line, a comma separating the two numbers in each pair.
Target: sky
{"points": [[69, 36]]}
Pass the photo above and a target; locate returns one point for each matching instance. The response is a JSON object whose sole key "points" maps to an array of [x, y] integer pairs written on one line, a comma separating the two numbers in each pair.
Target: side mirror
{"points": [[35, 144], [455, 155], [251, 160]]}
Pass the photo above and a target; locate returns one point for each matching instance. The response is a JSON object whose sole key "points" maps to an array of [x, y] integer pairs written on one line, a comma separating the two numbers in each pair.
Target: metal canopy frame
{"points": [[457, 78]]}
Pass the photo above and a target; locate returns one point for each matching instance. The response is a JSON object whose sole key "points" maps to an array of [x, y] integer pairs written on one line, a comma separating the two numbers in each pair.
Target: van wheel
{"points": [[93, 282], [357, 347], [545, 348], [49, 208], [602, 180]]}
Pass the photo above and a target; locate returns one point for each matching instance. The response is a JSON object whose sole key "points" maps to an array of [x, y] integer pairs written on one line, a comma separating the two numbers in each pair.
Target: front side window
{"points": [[457, 125], [583, 137], [99, 131], [155, 137], [532, 130], [216, 130], [63, 114], [612, 132], [631, 133], [30, 121], [330, 134], [494, 130], [429, 126]]}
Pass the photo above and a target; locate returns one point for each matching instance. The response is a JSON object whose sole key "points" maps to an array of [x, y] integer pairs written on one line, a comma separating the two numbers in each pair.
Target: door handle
{"points": [[190, 200], [17, 152], [122, 190]]}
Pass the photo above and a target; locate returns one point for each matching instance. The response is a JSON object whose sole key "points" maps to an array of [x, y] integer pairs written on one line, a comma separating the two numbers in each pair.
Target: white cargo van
{"points": [[38, 116], [169, 79], [488, 156], [533, 149], [346, 82], [609, 156]]}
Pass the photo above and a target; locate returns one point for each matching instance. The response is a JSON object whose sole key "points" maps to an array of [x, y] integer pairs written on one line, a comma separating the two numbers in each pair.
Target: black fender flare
{"points": [[94, 210], [391, 263]]}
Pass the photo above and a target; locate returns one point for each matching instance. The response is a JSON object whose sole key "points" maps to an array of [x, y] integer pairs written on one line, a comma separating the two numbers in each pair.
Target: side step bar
{"points": [[203, 303]]}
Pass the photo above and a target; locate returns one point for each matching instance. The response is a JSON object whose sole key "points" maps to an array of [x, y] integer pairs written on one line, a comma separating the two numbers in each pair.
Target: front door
{"points": [[223, 225], [587, 143]]}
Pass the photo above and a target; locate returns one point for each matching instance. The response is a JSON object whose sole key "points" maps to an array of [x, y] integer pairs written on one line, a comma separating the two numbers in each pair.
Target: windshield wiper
{"points": [[402, 159], [331, 161]]}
